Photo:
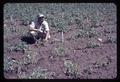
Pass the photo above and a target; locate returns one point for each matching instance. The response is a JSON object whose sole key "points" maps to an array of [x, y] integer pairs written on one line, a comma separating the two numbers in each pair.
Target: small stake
{"points": [[62, 37]]}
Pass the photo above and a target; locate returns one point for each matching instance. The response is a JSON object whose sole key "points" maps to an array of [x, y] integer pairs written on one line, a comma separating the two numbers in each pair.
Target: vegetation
{"points": [[92, 45], [18, 47], [70, 69], [60, 51], [82, 33], [9, 64], [111, 39], [76, 23]]}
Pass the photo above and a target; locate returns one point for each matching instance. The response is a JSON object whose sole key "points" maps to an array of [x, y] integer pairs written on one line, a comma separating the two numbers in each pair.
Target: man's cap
{"points": [[41, 15]]}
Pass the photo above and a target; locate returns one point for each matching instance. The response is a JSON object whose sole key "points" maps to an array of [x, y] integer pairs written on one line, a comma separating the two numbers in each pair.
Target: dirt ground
{"points": [[74, 58]]}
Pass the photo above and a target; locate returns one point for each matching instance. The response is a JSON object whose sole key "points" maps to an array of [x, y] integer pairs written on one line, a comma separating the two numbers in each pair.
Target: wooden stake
{"points": [[11, 18], [62, 37]]}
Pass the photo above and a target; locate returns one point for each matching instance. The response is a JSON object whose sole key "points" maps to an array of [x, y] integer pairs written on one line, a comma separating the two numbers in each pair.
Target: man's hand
{"points": [[40, 30], [34, 29], [47, 35]]}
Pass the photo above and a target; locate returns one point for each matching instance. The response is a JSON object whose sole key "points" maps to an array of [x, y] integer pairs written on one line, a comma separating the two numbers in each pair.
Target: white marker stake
{"points": [[62, 37]]}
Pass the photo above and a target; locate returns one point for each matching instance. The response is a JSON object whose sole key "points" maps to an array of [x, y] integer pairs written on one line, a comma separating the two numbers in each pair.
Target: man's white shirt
{"points": [[43, 25]]}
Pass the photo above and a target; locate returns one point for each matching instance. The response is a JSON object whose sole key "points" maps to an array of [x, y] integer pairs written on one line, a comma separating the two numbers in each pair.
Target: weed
{"points": [[22, 75], [10, 64], [40, 73], [70, 69], [26, 60], [86, 33], [92, 45], [53, 23], [30, 57], [110, 30], [18, 47], [60, 51], [62, 26], [13, 29], [111, 39], [78, 22]]}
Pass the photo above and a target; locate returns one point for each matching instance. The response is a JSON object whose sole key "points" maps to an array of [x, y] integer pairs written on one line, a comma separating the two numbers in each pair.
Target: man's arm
{"points": [[47, 30], [32, 27]]}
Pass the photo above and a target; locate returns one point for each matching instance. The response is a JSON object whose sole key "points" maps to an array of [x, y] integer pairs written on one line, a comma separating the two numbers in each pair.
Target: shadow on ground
{"points": [[28, 40]]}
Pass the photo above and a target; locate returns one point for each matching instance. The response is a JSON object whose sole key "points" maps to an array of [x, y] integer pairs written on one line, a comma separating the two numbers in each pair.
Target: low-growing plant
{"points": [[62, 26], [92, 45], [111, 39], [70, 69], [18, 47], [32, 56], [79, 23], [86, 33], [22, 75], [13, 29], [110, 30], [38, 73], [60, 51], [10, 64], [92, 33], [53, 23]]}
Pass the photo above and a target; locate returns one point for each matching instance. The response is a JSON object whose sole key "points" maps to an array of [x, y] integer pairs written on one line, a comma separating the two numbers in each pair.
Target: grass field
{"points": [[81, 55]]}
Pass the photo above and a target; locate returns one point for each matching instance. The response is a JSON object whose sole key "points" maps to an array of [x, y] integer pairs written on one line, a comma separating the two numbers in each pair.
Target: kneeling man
{"points": [[40, 28]]}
